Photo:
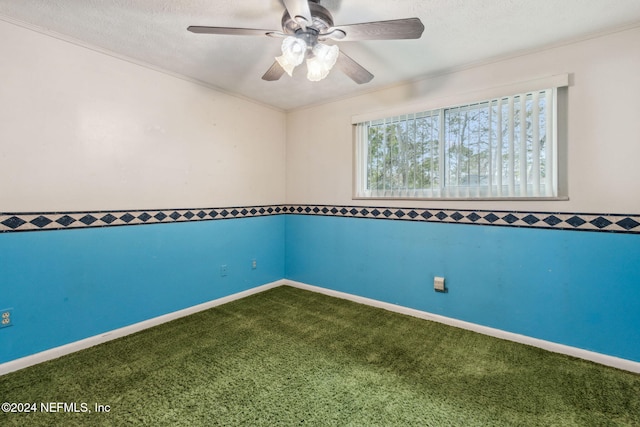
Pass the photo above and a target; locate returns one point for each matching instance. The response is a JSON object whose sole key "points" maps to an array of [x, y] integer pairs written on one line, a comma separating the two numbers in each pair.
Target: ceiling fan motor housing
{"points": [[321, 21]]}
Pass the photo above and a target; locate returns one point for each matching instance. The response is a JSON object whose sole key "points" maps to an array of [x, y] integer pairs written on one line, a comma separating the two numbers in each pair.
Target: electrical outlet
{"points": [[254, 264], [438, 284], [223, 270], [5, 317]]}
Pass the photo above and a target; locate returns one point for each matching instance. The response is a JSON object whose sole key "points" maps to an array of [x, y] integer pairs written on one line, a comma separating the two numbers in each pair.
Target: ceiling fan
{"points": [[306, 26]]}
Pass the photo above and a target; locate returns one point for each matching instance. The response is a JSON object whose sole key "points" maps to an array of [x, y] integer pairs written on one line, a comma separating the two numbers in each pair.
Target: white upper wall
{"points": [[603, 147], [81, 130]]}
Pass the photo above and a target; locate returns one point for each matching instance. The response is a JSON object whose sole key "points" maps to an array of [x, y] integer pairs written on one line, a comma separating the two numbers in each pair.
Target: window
{"points": [[503, 147]]}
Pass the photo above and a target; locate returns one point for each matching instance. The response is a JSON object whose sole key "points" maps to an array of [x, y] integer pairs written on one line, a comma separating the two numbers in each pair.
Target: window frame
{"points": [[558, 133]]}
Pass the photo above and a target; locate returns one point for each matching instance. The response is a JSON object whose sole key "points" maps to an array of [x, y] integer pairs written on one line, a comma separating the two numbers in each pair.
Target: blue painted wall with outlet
{"points": [[580, 289], [575, 288], [67, 285]]}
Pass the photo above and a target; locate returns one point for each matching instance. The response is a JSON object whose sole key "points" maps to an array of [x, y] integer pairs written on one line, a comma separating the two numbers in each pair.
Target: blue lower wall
{"points": [[576, 288], [67, 285], [580, 289]]}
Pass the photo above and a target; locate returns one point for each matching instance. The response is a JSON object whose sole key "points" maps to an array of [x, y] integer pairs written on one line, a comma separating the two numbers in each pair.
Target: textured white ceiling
{"points": [[457, 33]]}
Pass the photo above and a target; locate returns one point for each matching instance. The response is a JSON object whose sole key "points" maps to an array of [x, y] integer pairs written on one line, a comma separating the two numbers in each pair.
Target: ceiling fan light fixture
{"points": [[305, 23], [293, 53], [320, 64]]}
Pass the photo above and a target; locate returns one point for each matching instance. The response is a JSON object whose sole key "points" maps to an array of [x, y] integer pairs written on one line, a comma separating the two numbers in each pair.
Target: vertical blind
{"points": [[502, 147]]}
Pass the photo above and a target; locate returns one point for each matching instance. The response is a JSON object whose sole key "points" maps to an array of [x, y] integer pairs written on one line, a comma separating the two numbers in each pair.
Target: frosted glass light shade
{"points": [[323, 59], [293, 53]]}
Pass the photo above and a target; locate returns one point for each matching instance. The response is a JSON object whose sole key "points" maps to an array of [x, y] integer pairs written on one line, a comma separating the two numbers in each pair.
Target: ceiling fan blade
{"points": [[299, 9], [230, 31], [274, 72], [351, 68], [410, 28]]}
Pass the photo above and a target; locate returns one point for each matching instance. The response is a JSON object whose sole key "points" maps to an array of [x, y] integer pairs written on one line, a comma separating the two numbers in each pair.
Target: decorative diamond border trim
{"points": [[616, 223], [11, 222]]}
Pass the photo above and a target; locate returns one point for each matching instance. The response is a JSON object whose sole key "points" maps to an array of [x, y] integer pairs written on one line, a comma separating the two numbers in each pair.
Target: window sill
{"points": [[470, 199]]}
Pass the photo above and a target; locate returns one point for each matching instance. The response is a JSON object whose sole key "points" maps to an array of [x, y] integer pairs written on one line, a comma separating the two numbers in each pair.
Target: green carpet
{"points": [[293, 357]]}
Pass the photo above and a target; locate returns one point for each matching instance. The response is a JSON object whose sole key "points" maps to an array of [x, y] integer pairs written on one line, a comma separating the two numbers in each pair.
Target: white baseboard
{"points": [[56, 352], [603, 359]]}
